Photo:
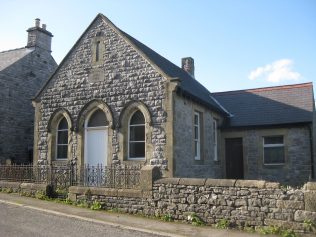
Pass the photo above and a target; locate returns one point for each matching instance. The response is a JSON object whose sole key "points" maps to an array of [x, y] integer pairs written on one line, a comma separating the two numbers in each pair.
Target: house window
{"points": [[136, 138], [97, 51], [197, 136], [273, 150], [62, 139], [215, 139]]}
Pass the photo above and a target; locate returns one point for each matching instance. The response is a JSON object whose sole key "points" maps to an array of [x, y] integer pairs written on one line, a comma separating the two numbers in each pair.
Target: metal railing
{"points": [[115, 176]]}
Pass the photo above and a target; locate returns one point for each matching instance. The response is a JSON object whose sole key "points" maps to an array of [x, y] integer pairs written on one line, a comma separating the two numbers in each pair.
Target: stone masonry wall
{"points": [[122, 77], [297, 147], [184, 163], [241, 202], [19, 83]]}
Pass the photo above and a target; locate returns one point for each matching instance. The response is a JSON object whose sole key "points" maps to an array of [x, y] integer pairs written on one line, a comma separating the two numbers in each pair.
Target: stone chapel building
{"points": [[23, 72], [114, 100]]}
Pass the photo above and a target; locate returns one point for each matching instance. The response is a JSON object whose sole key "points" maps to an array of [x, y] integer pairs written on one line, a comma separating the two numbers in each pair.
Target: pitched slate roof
{"points": [[188, 86], [269, 106], [9, 57]]}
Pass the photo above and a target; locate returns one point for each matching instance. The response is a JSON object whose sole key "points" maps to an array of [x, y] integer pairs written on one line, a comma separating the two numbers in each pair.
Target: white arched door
{"points": [[96, 139]]}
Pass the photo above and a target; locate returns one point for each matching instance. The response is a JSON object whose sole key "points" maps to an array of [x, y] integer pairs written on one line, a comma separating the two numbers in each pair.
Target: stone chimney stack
{"points": [[188, 65], [39, 37]]}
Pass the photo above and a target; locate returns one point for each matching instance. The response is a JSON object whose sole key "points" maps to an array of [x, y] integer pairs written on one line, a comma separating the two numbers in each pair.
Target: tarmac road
{"points": [[18, 221]]}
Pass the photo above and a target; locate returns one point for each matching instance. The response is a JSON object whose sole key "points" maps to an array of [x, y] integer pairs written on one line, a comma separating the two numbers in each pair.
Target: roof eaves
{"points": [[186, 93]]}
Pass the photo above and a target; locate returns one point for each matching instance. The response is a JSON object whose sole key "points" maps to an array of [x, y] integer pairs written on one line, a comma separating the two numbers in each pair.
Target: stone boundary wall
{"points": [[242, 202], [27, 189]]}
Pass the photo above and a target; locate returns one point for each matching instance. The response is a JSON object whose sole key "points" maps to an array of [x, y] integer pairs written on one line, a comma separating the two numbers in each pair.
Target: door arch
{"points": [[96, 138]]}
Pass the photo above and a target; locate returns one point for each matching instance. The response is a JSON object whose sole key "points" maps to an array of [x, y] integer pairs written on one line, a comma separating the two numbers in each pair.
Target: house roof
{"points": [[188, 85], [9, 57], [269, 106]]}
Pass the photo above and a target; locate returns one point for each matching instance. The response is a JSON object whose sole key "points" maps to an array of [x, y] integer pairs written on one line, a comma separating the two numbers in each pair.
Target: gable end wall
{"points": [[124, 76]]}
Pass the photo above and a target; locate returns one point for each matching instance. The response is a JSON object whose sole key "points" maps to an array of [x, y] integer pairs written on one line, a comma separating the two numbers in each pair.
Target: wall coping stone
{"points": [[250, 183], [220, 182], [8, 184], [130, 193], [192, 181], [78, 189], [272, 185], [33, 186], [101, 191], [168, 181], [310, 186]]}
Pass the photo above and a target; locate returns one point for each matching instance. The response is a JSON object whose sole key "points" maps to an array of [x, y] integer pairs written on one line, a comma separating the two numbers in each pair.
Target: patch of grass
{"points": [[309, 225], [96, 205], [195, 220], [167, 217], [40, 195], [275, 230], [7, 190], [82, 203], [222, 224]]}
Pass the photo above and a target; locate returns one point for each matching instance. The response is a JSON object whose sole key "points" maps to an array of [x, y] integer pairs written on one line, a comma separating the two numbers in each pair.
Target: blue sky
{"points": [[236, 44]]}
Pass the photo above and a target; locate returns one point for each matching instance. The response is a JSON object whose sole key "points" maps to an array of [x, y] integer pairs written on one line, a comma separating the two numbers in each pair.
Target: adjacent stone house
{"points": [[114, 100], [23, 72]]}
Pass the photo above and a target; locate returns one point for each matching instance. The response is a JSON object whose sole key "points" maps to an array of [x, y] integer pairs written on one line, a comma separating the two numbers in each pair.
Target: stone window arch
{"points": [[92, 114], [135, 115], [59, 130]]}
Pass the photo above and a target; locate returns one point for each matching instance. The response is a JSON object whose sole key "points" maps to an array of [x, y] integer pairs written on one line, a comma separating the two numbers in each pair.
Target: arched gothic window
{"points": [[136, 137], [62, 139]]}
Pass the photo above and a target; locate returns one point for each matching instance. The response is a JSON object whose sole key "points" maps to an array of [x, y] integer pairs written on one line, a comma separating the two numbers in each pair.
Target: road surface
{"points": [[18, 221]]}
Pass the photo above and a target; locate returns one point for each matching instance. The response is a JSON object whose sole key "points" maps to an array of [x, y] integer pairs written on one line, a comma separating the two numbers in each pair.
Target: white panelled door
{"points": [[96, 139], [96, 146]]}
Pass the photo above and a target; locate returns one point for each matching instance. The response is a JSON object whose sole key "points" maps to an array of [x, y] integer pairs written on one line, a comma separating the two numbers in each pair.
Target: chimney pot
{"points": [[44, 26], [37, 22], [188, 65]]}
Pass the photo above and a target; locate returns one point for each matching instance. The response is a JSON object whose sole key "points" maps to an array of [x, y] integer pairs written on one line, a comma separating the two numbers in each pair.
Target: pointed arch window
{"points": [[136, 136], [62, 140], [97, 119]]}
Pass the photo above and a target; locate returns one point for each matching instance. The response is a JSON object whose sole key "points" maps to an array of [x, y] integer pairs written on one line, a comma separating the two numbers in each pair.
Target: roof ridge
{"points": [[9, 50], [270, 88]]}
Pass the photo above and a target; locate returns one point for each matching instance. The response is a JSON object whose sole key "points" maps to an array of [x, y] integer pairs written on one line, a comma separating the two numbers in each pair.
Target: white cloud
{"points": [[280, 70]]}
